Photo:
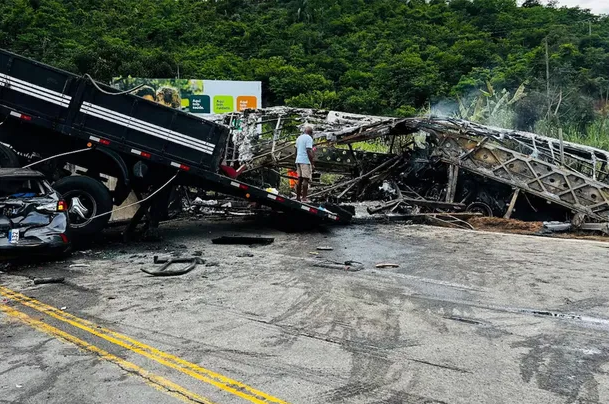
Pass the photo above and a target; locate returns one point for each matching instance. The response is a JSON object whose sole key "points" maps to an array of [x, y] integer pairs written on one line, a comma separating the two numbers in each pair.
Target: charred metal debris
{"points": [[444, 168]]}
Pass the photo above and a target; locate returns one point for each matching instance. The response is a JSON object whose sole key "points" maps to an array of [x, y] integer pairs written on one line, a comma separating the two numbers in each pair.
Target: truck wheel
{"points": [[8, 158], [480, 207], [86, 198]]}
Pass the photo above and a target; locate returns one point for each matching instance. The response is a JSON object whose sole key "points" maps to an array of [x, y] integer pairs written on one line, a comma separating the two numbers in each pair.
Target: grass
{"points": [[376, 146], [595, 135]]}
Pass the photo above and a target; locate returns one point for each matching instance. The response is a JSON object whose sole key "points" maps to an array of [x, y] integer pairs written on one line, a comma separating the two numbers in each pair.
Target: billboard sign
{"points": [[199, 97]]}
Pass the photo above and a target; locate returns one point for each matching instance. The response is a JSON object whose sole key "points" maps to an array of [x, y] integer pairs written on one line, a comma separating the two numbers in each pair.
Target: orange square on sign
{"points": [[246, 102]]}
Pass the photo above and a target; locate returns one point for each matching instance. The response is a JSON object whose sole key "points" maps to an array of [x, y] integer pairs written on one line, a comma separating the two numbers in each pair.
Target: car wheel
{"points": [[8, 158], [86, 198]]}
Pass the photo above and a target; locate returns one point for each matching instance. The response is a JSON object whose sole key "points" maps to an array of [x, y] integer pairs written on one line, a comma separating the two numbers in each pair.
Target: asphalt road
{"points": [[466, 318]]}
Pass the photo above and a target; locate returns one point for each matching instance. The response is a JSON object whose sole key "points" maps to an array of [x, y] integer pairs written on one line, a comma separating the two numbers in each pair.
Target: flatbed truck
{"points": [[50, 113]]}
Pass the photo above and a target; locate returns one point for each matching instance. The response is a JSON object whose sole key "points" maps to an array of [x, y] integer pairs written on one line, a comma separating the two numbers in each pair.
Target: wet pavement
{"points": [[467, 317]]}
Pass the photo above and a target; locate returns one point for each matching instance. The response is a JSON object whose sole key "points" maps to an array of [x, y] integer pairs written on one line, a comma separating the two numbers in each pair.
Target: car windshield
{"points": [[22, 188]]}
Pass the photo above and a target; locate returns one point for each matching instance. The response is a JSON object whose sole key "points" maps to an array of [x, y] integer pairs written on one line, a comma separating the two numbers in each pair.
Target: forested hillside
{"points": [[386, 57]]}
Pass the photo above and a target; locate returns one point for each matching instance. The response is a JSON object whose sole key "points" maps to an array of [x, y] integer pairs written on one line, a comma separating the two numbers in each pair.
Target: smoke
{"points": [[488, 108], [445, 108], [450, 108]]}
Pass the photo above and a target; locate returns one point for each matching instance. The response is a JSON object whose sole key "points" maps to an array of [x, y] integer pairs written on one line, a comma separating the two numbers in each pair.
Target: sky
{"points": [[597, 6]]}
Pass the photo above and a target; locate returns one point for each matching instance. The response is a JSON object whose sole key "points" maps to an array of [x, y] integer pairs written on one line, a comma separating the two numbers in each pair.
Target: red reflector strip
{"points": [[275, 198], [99, 140], [312, 210], [22, 116], [238, 185], [140, 153], [180, 166], [64, 238]]}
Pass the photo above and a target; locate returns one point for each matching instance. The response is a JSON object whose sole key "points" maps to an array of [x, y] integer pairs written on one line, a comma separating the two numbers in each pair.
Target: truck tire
{"points": [[8, 158], [86, 198]]}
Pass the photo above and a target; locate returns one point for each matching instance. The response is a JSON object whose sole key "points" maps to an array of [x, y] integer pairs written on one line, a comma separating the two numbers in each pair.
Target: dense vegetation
{"points": [[385, 57]]}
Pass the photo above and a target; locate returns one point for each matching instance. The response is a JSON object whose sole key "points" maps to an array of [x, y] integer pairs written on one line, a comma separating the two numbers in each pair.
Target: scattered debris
{"points": [[245, 255], [560, 227], [386, 265], [212, 264], [464, 320], [325, 248], [40, 281], [243, 240], [448, 220], [556, 227], [197, 253], [162, 271], [80, 266], [350, 266]]}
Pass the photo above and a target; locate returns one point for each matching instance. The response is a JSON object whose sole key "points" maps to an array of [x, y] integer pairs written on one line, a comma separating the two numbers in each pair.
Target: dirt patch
{"points": [[505, 225]]}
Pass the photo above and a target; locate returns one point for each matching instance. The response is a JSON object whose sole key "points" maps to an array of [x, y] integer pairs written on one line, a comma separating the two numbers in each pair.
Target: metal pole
{"points": [[276, 133], [508, 213], [453, 175], [562, 149], [548, 81]]}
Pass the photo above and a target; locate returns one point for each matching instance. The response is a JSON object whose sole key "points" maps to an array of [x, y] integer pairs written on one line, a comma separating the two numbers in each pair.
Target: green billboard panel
{"points": [[223, 104], [200, 104]]}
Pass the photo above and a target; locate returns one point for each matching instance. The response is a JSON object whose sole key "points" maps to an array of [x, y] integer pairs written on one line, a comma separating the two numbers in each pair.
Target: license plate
{"points": [[13, 236]]}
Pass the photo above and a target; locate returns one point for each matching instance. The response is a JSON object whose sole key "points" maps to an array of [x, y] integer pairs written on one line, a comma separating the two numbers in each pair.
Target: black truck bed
{"points": [[74, 106]]}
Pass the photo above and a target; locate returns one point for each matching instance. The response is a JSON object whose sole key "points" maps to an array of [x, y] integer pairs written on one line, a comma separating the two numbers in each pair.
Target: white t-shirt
{"points": [[303, 143]]}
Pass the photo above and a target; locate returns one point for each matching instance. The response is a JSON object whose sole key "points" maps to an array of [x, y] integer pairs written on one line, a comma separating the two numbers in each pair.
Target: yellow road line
{"points": [[151, 379], [208, 376]]}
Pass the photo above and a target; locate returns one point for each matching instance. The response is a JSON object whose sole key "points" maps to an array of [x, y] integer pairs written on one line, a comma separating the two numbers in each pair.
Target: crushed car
{"points": [[33, 217]]}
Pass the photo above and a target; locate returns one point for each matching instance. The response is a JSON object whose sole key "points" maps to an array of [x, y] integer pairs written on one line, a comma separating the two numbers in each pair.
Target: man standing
{"points": [[304, 163]]}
